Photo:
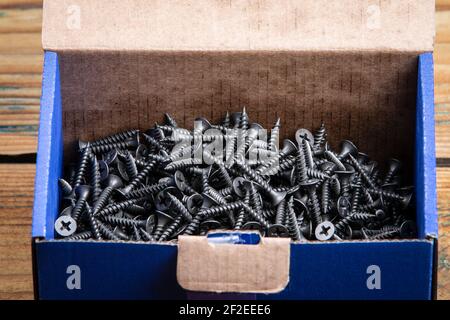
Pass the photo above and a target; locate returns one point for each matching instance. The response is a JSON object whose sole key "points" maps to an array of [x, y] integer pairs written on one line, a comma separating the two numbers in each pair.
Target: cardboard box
{"points": [[364, 68]]}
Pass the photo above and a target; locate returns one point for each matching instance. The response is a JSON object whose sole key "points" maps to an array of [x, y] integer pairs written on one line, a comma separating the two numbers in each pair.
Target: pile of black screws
{"points": [[167, 181]]}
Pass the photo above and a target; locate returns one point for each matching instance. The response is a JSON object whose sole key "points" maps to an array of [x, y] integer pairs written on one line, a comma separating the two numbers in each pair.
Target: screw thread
{"points": [[80, 236], [119, 137], [122, 222], [95, 179], [274, 136], [240, 220], [106, 231], [316, 174], [66, 188], [362, 172], [280, 216], [171, 229], [333, 158], [136, 233], [170, 120], [130, 165], [226, 191], [302, 175], [102, 199], [141, 175], [319, 137], [78, 209], [181, 164], [256, 215], [116, 207], [179, 207], [147, 190], [356, 194], [325, 196], [292, 224], [120, 145], [315, 206], [82, 167]]}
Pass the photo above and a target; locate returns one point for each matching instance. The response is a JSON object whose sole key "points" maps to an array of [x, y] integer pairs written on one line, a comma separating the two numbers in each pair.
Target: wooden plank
{"points": [[20, 20], [18, 143], [19, 101], [20, 43], [17, 63], [442, 117], [19, 92], [16, 200], [443, 187], [443, 26], [442, 4], [20, 3], [24, 80]]}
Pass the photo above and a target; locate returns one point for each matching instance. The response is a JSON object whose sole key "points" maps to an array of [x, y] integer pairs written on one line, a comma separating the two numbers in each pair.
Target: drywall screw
{"points": [[95, 178], [122, 145], [294, 230], [93, 223], [80, 236], [163, 219], [82, 192], [178, 206], [310, 187], [304, 135], [393, 167], [362, 172], [275, 197], [65, 226], [65, 187], [319, 137], [119, 137], [274, 135], [279, 229], [140, 177], [84, 159], [324, 231], [170, 120], [171, 228], [116, 207]]}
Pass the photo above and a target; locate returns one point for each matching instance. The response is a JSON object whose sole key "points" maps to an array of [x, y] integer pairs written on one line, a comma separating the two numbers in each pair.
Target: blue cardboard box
{"points": [[75, 67]]}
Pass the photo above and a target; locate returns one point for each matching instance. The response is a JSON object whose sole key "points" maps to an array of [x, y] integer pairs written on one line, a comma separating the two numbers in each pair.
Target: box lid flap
{"points": [[218, 265], [235, 25]]}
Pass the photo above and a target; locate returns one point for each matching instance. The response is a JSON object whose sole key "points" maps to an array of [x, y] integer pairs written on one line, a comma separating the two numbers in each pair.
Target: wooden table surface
{"points": [[20, 81]]}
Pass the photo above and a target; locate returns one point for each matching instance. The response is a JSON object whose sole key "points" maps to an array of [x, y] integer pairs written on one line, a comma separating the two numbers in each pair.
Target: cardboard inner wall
{"points": [[367, 97]]}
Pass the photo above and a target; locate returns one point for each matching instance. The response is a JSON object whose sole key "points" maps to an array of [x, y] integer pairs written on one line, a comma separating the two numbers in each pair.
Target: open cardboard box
{"points": [[364, 68]]}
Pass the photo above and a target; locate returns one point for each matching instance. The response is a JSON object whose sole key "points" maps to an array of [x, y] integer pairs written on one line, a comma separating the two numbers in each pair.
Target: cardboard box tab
{"points": [[235, 25], [212, 267]]}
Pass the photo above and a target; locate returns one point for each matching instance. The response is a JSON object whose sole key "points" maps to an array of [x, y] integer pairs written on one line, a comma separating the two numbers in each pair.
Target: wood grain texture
{"points": [[16, 200], [20, 79]]}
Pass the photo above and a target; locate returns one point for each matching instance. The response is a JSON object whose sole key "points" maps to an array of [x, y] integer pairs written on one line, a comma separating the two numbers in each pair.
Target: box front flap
{"points": [[235, 25], [206, 265]]}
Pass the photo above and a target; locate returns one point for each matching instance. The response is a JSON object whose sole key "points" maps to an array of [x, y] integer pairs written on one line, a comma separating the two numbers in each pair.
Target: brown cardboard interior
{"points": [[204, 266], [366, 97]]}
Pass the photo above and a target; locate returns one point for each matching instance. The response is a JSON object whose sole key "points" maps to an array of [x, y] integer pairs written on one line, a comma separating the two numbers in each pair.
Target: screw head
{"points": [[347, 148], [408, 229], [113, 181], [304, 134], [253, 225], [210, 224], [278, 230], [343, 206], [110, 157], [324, 231], [150, 224], [180, 180], [65, 225], [122, 171], [104, 169], [239, 186], [162, 218], [83, 191], [288, 147], [194, 203]]}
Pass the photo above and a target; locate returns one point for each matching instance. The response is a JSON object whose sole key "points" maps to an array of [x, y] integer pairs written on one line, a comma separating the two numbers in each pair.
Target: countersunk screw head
{"points": [[408, 229], [83, 191], [324, 231], [110, 157], [278, 230], [253, 225], [347, 148], [239, 186], [104, 169], [343, 206], [65, 225], [180, 180], [113, 181], [211, 224], [194, 203], [150, 224], [304, 134], [288, 147]]}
